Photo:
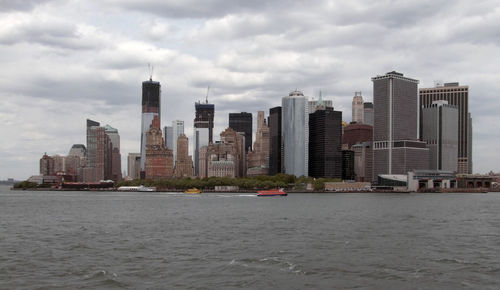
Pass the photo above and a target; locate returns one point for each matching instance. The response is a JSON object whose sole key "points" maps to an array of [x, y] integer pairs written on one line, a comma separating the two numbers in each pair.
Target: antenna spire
{"points": [[150, 69], [320, 101], [206, 99]]}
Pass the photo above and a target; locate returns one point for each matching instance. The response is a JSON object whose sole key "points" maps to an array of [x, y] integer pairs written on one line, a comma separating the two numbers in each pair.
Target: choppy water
{"points": [[70, 240]]}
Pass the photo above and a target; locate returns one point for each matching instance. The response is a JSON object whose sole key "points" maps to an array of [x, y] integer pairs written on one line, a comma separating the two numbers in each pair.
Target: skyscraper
{"points": [[116, 158], [396, 149], [159, 159], [168, 134], [440, 131], [177, 130], [184, 162], [325, 138], [456, 95], [203, 129], [134, 165], [151, 104], [358, 108], [295, 133], [275, 150], [258, 157], [99, 154], [242, 122], [368, 112], [314, 104]]}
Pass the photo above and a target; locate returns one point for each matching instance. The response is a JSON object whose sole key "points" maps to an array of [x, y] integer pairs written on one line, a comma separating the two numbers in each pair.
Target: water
{"points": [[111, 240]]}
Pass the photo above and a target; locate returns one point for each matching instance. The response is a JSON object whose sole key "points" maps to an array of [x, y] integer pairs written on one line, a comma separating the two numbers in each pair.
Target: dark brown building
{"points": [[275, 151], [159, 159], [242, 122]]}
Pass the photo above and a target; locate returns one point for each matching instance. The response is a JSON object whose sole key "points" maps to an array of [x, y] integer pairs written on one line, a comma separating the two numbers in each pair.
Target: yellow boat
{"points": [[193, 191]]}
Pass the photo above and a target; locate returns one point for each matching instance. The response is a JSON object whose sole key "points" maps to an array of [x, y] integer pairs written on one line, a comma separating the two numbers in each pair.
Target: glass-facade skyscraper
{"points": [[295, 133]]}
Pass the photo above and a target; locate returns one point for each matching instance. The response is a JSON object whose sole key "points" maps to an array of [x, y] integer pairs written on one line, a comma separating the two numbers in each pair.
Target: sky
{"points": [[63, 61]]}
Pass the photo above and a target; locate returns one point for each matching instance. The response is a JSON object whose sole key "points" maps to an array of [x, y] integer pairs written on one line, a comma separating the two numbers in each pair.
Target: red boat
{"points": [[272, 192]]}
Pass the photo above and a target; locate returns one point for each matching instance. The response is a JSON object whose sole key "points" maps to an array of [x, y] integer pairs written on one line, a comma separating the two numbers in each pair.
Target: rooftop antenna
{"points": [[150, 69], [206, 99], [320, 101]]}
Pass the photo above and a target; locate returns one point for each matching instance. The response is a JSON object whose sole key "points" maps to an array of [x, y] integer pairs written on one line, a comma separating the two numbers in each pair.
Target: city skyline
{"points": [[62, 66]]}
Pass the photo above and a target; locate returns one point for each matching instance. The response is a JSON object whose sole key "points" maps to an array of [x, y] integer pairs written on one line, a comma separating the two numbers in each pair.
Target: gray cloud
{"points": [[20, 5]]}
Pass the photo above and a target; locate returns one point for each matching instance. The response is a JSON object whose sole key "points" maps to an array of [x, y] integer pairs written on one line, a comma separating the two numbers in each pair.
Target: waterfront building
{"points": [[237, 141], [168, 134], [159, 159], [355, 133], [363, 160], [78, 150], [99, 154], [225, 157], [47, 166], [178, 130], [134, 165], [75, 161], [457, 95], [258, 158], [202, 162], [242, 122], [276, 146], [116, 158], [203, 130], [59, 163], [183, 162], [396, 149], [440, 131], [368, 113], [348, 172], [151, 104], [358, 109], [295, 134], [325, 137]]}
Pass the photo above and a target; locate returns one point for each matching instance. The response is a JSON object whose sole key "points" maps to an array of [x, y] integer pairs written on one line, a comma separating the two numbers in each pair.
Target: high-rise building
{"points": [[168, 133], [325, 136], [116, 162], [440, 131], [355, 133], [99, 154], [178, 130], [75, 161], [224, 158], [363, 158], [295, 133], [134, 165], [151, 104], [258, 158], [314, 104], [47, 166], [275, 151], [348, 172], [159, 159], [242, 122], [78, 150], [184, 162], [456, 95], [396, 149], [358, 108], [368, 113], [203, 129]]}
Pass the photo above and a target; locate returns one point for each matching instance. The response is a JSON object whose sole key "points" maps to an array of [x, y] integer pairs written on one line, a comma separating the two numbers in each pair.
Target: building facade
{"points": [[276, 146], [456, 95], [314, 104], [368, 113], [168, 133], [242, 122], [358, 109], [295, 134], [355, 133], [47, 166], [183, 162], [325, 137], [363, 159], [348, 172], [151, 108], [396, 149], [203, 130], [134, 165], [116, 158], [178, 130], [258, 158], [440, 131], [159, 159]]}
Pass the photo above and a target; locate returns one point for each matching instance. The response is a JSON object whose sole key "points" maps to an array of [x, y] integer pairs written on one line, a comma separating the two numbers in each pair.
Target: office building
{"points": [[440, 131], [258, 158], [363, 159], [99, 154], [168, 133], [368, 113], [159, 159], [275, 150], [314, 104], [178, 130], [203, 129], [47, 166], [325, 137], [224, 158], [183, 162], [295, 134], [116, 158], [348, 172], [456, 95], [358, 109], [242, 122], [151, 104], [355, 133], [396, 149], [134, 165]]}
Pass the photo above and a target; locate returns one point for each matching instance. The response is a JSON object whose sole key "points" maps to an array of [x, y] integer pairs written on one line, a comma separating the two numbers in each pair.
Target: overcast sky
{"points": [[64, 61]]}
